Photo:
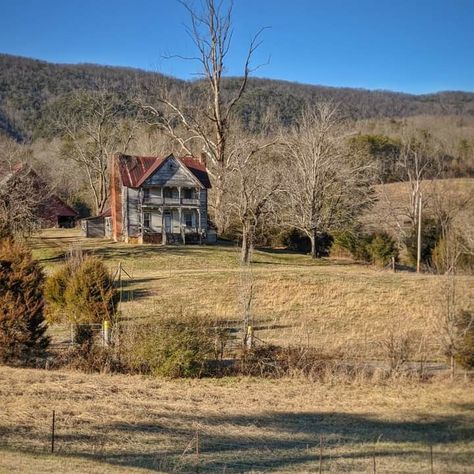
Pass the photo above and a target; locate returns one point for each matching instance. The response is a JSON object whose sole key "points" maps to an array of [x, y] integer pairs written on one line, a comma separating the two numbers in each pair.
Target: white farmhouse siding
{"points": [[162, 199]]}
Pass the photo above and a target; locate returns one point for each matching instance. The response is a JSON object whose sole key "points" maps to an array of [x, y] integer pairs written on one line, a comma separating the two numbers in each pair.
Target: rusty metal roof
{"points": [[134, 170], [56, 207]]}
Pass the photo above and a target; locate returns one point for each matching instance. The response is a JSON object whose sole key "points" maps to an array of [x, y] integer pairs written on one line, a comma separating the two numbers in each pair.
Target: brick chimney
{"points": [[116, 198], [203, 159]]}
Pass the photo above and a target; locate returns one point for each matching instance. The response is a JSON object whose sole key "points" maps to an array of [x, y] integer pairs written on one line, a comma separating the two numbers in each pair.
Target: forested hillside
{"points": [[28, 87]]}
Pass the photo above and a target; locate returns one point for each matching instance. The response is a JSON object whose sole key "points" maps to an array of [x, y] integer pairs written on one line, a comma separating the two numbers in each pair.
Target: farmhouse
{"points": [[159, 199]]}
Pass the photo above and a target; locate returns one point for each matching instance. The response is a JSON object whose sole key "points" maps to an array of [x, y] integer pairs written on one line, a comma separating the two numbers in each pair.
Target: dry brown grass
{"points": [[390, 211], [127, 423], [329, 304]]}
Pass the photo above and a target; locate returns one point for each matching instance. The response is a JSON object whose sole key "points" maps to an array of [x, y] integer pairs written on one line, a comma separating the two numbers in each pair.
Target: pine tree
{"points": [[90, 295], [81, 293], [22, 324]]}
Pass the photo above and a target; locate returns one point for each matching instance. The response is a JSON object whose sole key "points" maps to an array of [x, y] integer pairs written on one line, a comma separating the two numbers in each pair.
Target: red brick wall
{"points": [[116, 199]]}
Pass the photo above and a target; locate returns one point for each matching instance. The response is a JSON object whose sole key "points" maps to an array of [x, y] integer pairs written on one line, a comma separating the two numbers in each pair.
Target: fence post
{"points": [[431, 459], [197, 450], [320, 454], [249, 338], [106, 332], [374, 461], [52, 431]]}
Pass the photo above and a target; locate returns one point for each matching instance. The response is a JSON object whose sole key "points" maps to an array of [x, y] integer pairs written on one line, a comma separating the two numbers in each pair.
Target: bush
{"points": [[81, 292], [55, 294], [465, 327], [174, 348], [448, 253], [90, 295], [381, 248], [344, 245], [277, 361], [89, 358], [377, 248], [296, 240], [22, 324]]}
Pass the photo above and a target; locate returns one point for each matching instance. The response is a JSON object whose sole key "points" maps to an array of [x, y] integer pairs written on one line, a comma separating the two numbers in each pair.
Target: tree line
{"points": [[28, 87]]}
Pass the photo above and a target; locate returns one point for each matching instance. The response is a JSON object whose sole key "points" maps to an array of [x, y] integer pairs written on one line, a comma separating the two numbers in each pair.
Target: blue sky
{"points": [[414, 46]]}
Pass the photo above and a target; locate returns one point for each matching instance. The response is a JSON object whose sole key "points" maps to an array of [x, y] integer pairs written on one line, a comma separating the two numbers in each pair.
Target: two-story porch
{"points": [[170, 214], [160, 200]]}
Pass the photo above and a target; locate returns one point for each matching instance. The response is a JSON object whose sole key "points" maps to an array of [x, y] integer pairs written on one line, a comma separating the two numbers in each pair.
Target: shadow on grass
{"points": [[129, 291], [287, 440], [141, 251]]}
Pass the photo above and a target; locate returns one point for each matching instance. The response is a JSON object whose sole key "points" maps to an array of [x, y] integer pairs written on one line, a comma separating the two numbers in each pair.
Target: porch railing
{"points": [[170, 201]]}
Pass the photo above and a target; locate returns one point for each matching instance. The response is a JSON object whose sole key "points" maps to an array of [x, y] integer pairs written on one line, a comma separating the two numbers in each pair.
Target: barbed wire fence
{"points": [[196, 449]]}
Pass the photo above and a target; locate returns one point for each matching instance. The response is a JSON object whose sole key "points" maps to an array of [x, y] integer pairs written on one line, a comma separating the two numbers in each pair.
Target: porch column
{"points": [[199, 225], [181, 230], [163, 230]]}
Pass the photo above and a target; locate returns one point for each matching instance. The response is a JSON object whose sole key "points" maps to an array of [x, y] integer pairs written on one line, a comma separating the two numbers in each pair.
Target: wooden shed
{"points": [[93, 226]]}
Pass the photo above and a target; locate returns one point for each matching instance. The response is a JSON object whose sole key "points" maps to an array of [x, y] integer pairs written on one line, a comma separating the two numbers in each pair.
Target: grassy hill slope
{"points": [[335, 305]]}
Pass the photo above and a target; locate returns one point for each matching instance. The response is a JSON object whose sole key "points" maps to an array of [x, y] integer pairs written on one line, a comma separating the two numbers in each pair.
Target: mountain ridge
{"points": [[28, 86]]}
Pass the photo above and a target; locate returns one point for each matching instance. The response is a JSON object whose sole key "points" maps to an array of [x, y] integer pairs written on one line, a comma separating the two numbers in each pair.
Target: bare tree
{"points": [[205, 120], [326, 187], [454, 216], [21, 194], [448, 324], [93, 128], [254, 181], [418, 162]]}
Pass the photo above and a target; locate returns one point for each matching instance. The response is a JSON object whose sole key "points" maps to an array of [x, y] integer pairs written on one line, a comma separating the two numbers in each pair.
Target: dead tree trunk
{"points": [[246, 245], [312, 238]]}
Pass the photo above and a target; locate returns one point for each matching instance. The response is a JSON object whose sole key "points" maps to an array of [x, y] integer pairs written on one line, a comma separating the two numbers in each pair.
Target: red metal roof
{"points": [[197, 168], [135, 170], [55, 207]]}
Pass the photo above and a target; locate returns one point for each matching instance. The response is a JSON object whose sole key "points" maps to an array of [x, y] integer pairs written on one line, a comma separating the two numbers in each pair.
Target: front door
{"points": [[168, 223]]}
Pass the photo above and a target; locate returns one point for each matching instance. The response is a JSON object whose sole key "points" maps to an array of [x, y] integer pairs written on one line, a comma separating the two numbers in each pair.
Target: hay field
{"points": [[330, 304], [107, 424], [455, 195]]}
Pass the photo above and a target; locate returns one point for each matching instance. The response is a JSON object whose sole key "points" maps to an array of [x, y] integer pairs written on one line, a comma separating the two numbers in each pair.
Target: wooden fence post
{"points": [[320, 454], [52, 431], [197, 450], [374, 461]]}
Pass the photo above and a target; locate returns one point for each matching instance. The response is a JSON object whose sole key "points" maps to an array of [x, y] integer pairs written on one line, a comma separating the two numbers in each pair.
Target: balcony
{"points": [[167, 201], [190, 201]]}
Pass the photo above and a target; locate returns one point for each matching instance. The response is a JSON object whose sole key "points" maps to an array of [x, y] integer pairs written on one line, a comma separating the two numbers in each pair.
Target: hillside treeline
{"points": [[29, 87]]}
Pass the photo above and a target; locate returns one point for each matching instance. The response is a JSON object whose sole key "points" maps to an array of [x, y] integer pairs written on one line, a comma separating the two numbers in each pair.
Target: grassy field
{"points": [[118, 423], [455, 195], [108, 424], [329, 304]]}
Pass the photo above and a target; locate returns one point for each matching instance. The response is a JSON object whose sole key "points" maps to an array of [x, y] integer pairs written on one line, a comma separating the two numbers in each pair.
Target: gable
{"points": [[172, 172]]}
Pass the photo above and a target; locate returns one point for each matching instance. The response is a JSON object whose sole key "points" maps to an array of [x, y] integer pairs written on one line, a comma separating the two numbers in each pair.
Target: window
{"points": [[147, 220], [167, 192], [188, 218], [188, 193], [146, 194]]}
